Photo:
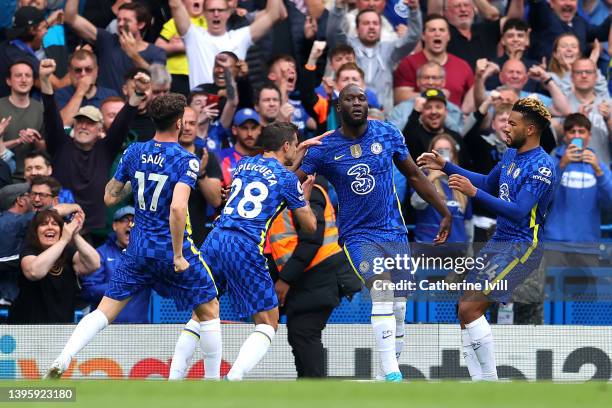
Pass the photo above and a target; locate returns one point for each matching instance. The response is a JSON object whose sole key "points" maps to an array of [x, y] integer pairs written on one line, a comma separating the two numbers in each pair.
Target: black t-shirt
{"points": [[51, 299], [197, 203], [144, 127], [418, 140], [483, 43]]}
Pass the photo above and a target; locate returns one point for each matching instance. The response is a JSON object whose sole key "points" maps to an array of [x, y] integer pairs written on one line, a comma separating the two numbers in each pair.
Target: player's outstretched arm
{"points": [[434, 161], [301, 152], [178, 220], [514, 211], [116, 191], [427, 191]]}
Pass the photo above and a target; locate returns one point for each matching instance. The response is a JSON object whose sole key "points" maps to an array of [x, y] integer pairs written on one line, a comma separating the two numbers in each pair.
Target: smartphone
{"points": [[577, 142], [212, 99]]}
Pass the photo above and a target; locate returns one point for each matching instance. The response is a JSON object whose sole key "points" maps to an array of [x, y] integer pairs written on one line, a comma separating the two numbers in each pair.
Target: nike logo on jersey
{"points": [[339, 157], [110, 259]]}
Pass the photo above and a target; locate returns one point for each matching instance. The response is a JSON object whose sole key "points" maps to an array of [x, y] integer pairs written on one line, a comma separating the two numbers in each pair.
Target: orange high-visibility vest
{"points": [[283, 237]]}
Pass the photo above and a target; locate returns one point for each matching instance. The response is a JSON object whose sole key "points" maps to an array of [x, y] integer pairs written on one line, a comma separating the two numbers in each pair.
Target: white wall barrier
{"points": [[559, 353]]}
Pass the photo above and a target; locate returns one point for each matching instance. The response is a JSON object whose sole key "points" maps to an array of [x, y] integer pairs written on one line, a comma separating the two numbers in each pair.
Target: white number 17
{"points": [[159, 179]]}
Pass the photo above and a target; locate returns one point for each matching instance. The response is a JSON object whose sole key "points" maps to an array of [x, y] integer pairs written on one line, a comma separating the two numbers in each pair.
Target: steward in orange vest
{"points": [[283, 237]]}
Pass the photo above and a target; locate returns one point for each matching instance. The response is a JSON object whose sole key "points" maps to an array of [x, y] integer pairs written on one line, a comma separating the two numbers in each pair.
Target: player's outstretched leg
{"points": [[383, 326], [472, 307], [85, 331], [256, 345], [184, 349]]}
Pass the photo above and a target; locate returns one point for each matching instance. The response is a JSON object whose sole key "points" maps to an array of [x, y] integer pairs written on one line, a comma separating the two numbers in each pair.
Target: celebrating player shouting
{"points": [[358, 160], [524, 180], [160, 253]]}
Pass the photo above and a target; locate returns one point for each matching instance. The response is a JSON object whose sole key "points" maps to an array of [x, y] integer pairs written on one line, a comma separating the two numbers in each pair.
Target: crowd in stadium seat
{"points": [[77, 78]]}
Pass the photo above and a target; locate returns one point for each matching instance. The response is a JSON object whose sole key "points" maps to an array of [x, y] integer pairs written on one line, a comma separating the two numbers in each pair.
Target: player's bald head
{"points": [[350, 89]]}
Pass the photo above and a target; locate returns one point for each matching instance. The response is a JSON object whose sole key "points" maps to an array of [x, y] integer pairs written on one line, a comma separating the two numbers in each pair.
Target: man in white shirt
{"points": [[202, 45]]}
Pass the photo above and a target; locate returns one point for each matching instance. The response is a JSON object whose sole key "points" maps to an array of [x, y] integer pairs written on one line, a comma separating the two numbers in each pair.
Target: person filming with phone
{"points": [[585, 187], [572, 233]]}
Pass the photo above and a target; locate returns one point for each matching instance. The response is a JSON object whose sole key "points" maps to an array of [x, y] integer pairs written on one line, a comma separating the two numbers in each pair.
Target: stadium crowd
{"points": [[77, 78]]}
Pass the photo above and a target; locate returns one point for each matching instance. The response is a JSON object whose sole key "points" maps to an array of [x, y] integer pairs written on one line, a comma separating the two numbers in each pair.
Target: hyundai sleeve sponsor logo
{"points": [[540, 178], [545, 171]]}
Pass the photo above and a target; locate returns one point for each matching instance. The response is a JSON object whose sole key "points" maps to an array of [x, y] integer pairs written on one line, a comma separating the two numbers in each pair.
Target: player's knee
{"points": [[273, 324], [375, 281], [381, 291], [269, 318], [207, 311], [111, 307]]}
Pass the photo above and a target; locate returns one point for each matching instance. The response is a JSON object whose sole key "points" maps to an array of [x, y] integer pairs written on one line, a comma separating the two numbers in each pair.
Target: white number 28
{"points": [[256, 200]]}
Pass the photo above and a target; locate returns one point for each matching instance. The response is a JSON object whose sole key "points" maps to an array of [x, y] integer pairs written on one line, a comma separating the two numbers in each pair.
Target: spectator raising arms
{"points": [[377, 58], [203, 45], [118, 53], [82, 162]]}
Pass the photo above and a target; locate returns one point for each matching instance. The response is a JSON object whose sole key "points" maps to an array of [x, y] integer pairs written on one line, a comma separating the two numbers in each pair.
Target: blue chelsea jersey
{"points": [[154, 168], [261, 187], [361, 171], [533, 171]]}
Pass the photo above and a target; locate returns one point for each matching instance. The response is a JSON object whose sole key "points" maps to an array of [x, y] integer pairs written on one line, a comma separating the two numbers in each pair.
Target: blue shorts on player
{"points": [[241, 270], [506, 266], [188, 289], [369, 258]]}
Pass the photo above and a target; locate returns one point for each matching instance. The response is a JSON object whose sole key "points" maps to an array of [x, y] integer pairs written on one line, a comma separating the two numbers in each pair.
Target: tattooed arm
{"points": [[116, 191]]}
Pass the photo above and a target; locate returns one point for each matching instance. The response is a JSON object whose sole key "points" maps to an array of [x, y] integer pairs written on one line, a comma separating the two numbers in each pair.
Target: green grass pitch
{"points": [[324, 394]]}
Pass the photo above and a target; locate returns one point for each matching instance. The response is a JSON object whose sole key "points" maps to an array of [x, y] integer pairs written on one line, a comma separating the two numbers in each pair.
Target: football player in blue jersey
{"points": [[261, 187], [523, 180], [358, 160], [160, 254]]}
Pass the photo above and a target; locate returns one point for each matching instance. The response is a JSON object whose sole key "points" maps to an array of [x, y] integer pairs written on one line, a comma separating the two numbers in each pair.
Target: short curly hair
{"points": [[534, 111], [166, 110]]}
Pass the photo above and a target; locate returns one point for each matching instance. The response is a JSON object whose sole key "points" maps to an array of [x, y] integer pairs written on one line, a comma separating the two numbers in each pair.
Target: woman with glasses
{"points": [[53, 256]]}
